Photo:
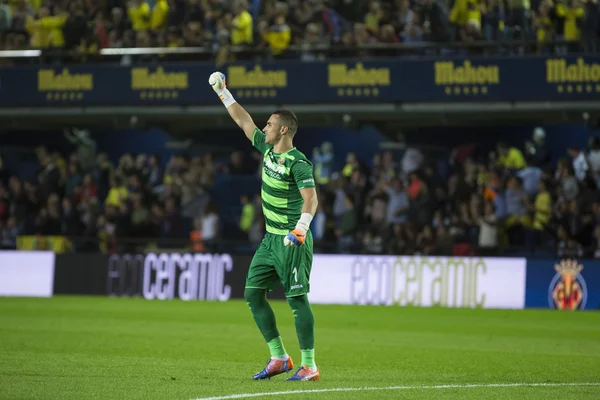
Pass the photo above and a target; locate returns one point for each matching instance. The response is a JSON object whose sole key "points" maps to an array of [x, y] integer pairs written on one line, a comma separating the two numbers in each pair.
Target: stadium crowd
{"points": [[506, 201], [85, 197], [85, 26]]}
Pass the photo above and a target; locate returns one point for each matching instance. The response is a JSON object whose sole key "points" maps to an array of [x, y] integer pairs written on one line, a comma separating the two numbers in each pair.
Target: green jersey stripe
{"points": [[273, 228], [275, 216], [270, 207], [277, 231], [274, 209], [275, 201], [275, 192], [275, 183]]}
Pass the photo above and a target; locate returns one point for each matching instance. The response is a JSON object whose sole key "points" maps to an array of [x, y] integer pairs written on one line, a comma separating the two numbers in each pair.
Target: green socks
{"points": [[265, 319], [308, 359], [276, 348], [305, 328]]}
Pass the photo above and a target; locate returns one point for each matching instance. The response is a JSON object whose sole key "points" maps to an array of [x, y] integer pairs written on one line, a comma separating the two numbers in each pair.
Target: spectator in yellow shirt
{"points": [[247, 216], [373, 17], [510, 157], [466, 15], [38, 37], [139, 14], [54, 26], [160, 12], [351, 165], [47, 30], [117, 194], [241, 25], [542, 212], [278, 36], [542, 207], [464, 11], [573, 16]]}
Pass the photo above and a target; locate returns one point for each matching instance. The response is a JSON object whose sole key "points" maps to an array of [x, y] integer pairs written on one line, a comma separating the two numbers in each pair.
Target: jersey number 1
{"points": [[295, 272]]}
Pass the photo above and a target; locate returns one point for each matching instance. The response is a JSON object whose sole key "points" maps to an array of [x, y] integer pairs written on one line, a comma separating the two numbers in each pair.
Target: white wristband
{"points": [[226, 98], [304, 222]]}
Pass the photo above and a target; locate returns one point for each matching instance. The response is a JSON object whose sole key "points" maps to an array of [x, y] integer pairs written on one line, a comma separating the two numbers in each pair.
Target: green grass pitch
{"points": [[108, 348]]}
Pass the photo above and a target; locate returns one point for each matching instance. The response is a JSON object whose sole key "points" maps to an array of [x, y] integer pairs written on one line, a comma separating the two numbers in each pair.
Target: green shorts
{"points": [[274, 263]]}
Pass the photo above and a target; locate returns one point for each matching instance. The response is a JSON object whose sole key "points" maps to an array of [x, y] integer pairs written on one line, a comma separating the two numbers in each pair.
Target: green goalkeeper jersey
{"points": [[283, 176]]}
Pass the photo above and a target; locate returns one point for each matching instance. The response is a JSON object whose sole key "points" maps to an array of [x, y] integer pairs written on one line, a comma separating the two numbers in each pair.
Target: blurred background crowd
{"points": [[83, 27], [511, 200]]}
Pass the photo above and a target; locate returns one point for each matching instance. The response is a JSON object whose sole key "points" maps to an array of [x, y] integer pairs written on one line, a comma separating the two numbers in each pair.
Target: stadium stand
{"points": [[77, 30]]}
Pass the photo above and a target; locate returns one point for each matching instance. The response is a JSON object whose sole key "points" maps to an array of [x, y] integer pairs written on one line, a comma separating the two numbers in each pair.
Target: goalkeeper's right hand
{"points": [[219, 85], [217, 81]]}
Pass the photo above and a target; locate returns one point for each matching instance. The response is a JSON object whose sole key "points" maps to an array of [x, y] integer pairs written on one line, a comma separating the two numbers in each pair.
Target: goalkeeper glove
{"points": [[298, 235], [295, 238], [219, 84]]}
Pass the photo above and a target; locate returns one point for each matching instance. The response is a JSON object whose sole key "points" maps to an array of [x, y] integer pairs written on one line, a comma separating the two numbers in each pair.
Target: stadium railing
{"points": [[424, 49]]}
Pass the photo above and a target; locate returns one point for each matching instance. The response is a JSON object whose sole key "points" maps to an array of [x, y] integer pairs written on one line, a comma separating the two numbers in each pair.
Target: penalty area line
{"points": [[365, 389]]}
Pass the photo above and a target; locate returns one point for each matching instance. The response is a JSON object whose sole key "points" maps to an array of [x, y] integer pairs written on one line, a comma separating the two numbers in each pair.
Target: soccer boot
{"points": [[305, 374], [275, 367]]}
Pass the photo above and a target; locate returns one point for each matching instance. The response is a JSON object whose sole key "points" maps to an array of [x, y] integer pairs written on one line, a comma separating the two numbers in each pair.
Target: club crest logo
{"points": [[281, 161], [568, 290]]}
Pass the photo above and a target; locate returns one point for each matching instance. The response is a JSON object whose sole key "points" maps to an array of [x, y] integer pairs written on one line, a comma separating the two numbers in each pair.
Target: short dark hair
{"points": [[289, 119]]}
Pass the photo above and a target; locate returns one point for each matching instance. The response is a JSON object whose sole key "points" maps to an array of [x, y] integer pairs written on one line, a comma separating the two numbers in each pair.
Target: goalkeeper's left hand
{"points": [[295, 237], [298, 235]]}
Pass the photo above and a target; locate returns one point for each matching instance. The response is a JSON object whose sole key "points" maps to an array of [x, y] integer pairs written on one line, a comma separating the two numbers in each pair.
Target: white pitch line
{"points": [[360, 389]]}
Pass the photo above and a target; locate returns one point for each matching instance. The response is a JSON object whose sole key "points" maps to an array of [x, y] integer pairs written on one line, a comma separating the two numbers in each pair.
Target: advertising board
{"points": [[419, 281], [26, 273]]}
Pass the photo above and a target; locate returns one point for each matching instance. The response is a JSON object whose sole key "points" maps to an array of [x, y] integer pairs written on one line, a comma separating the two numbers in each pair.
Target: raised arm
{"points": [[238, 114]]}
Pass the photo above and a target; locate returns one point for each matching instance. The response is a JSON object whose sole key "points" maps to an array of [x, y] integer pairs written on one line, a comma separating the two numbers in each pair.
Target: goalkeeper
{"points": [[289, 202]]}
